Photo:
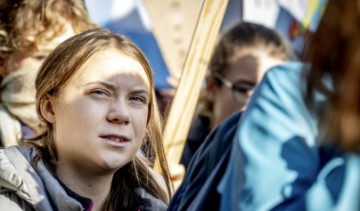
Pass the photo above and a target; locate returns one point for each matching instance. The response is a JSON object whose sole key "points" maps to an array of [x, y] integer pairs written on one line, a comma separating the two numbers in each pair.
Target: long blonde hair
{"points": [[58, 68]]}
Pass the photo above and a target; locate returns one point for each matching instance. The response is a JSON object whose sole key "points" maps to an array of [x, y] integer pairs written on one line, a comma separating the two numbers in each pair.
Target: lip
{"points": [[111, 140]]}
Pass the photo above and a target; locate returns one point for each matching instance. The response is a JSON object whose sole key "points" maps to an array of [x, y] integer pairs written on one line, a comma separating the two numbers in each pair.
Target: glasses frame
{"points": [[240, 88]]}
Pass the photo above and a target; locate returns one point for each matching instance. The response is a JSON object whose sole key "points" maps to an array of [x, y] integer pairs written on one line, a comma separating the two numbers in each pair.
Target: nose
{"points": [[119, 113]]}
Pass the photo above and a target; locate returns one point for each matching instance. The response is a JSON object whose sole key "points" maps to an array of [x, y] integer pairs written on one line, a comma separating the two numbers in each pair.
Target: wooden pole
{"points": [[193, 74]]}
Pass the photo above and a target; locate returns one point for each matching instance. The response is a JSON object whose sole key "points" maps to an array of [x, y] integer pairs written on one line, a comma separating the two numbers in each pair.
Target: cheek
{"points": [[243, 99], [223, 102], [226, 104], [140, 123], [76, 115], [225, 97]]}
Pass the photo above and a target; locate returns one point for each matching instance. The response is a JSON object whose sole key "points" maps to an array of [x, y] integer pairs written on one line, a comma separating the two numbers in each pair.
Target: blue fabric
{"points": [[198, 190], [276, 162], [199, 130], [26, 131]]}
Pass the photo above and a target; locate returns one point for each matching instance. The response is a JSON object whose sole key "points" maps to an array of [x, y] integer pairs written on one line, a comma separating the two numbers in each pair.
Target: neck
{"points": [[85, 183]]}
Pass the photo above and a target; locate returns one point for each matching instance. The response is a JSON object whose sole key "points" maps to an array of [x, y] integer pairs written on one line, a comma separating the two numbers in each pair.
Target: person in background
{"points": [[95, 95], [240, 59], [297, 145], [29, 31]]}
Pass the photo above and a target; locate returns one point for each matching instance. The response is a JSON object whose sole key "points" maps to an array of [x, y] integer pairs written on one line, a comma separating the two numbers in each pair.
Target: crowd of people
{"points": [[80, 127]]}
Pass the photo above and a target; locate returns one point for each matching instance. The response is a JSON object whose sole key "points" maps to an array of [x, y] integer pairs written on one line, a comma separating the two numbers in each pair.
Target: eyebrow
{"points": [[140, 91], [106, 84], [247, 82], [112, 87]]}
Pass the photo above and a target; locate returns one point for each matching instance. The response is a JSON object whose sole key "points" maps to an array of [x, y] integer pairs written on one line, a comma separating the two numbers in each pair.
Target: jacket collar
{"points": [[37, 187]]}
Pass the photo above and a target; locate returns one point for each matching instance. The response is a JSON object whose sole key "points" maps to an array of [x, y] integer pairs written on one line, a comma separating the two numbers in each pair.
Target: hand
{"points": [[177, 174]]}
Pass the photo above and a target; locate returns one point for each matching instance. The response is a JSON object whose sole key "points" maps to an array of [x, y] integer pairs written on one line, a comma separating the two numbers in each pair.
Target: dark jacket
{"points": [[198, 131], [198, 190]]}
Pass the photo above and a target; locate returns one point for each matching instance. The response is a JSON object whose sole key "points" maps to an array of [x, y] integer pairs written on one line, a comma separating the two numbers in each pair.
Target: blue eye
{"points": [[138, 99], [99, 92]]}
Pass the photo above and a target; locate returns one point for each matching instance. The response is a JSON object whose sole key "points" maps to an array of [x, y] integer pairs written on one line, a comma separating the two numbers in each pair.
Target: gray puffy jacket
{"points": [[23, 188]]}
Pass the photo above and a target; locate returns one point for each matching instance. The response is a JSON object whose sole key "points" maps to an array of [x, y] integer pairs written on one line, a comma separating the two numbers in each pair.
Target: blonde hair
{"points": [[28, 25], [58, 68]]}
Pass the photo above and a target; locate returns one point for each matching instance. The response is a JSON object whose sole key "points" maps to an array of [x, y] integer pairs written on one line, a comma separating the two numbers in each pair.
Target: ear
{"points": [[211, 87], [47, 109]]}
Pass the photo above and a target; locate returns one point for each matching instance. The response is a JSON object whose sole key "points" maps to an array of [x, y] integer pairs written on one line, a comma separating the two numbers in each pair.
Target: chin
{"points": [[115, 165]]}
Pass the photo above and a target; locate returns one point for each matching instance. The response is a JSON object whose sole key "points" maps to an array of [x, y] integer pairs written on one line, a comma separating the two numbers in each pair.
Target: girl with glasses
{"points": [[240, 59]]}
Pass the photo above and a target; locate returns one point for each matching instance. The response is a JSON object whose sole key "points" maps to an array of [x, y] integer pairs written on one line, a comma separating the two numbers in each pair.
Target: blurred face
{"points": [[243, 69], [100, 114], [20, 60]]}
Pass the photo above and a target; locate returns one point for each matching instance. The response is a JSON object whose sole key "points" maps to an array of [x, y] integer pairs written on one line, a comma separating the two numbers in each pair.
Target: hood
{"points": [[40, 188], [37, 187]]}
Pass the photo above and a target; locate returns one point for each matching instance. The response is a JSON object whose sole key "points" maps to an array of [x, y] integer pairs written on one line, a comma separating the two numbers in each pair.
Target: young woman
{"points": [[95, 94], [29, 31], [241, 58]]}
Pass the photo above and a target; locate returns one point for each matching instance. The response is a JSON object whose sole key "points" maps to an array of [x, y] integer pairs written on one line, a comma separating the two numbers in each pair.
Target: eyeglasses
{"points": [[237, 90]]}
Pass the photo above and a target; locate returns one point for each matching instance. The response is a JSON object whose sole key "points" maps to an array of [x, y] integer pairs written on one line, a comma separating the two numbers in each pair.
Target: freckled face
{"points": [[101, 112]]}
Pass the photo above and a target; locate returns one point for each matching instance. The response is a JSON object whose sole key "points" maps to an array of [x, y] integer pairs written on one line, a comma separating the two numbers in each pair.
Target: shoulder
{"points": [[152, 203], [33, 186], [10, 201], [13, 192], [206, 169], [220, 135], [10, 127]]}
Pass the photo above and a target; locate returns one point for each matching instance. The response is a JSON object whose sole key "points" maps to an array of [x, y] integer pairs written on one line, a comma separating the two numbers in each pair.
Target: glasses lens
{"points": [[241, 92]]}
